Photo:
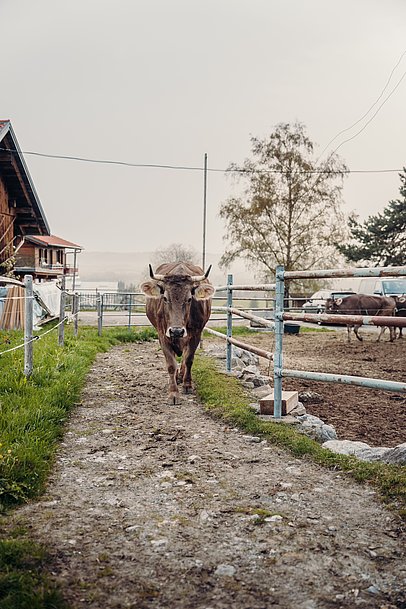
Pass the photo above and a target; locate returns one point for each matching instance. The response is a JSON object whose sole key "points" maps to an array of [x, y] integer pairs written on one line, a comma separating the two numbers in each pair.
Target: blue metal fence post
{"points": [[28, 325], [277, 388], [129, 311], [99, 307], [229, 322]]}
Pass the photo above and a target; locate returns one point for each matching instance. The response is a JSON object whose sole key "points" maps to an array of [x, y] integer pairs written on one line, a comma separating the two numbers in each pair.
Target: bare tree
{"points": [[176, 252], [290, 210]]}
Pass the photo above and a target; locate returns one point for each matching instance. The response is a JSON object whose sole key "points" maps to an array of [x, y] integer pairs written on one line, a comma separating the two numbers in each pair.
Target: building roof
{"points": [[52, 240], [30, 216]]}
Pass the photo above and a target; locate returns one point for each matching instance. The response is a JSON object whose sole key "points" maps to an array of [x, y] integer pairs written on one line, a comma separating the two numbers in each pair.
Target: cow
{"points": [[363, 304], [178, 305], [400, 310]]}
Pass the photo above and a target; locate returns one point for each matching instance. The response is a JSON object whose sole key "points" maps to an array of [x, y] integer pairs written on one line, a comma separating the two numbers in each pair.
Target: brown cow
{"points": [[178, 305], [400, 310], [363, 304]]}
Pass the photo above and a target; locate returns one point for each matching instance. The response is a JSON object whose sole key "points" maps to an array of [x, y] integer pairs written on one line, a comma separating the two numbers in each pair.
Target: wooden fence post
{"points": [[28, 326]]}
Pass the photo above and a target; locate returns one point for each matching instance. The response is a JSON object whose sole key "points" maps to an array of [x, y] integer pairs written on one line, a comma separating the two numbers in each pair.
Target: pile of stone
{"points": [[363, 451], [245, 368]]}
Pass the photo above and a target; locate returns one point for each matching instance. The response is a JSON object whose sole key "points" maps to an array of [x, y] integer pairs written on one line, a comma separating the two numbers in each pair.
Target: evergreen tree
{"points": [[381, 239]]}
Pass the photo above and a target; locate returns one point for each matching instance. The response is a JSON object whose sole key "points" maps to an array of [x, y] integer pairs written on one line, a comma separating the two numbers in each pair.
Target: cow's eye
{"points": [[165, 299], [189, 299]]}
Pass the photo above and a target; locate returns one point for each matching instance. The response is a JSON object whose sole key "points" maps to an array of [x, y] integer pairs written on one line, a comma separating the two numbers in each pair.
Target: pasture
{"points": [[369, 415]]}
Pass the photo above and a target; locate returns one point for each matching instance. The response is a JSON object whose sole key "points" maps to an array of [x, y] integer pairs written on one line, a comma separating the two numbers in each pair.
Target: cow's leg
{"points": [[187, 362], [349, 328], [356, 328], [172, 366], [381, 331]]}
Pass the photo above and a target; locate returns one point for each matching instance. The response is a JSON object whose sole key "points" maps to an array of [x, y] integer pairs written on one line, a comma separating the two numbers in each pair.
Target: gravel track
{"points": [[157, 506]]}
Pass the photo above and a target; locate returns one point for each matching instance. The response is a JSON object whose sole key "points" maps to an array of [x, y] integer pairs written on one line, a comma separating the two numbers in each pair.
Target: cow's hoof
{"points": [[187, 389], [174, 399]]}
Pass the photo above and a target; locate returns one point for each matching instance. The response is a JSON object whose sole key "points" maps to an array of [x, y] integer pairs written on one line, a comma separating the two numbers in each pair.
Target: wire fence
{"points": [[131, 307]]}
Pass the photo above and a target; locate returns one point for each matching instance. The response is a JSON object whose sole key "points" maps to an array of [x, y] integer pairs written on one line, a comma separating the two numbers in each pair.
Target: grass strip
{"points": [[33, 412], [224, 397]]}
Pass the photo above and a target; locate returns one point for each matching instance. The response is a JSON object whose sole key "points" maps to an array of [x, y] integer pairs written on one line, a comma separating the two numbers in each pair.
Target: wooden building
{"points": [[26, 243], [46, 257], [21, 212]]}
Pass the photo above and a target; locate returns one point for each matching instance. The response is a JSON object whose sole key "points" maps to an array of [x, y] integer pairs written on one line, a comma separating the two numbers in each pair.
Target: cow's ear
{"points": [[151, 289], [204, 291]]}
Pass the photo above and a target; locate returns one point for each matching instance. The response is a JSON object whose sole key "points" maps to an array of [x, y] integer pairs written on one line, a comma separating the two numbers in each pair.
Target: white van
{"points": [[383, 286]]}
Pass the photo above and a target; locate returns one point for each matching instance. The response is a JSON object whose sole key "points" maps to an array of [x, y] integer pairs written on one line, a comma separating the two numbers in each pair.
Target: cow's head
{"points": [[332, 304], [176, 294]]}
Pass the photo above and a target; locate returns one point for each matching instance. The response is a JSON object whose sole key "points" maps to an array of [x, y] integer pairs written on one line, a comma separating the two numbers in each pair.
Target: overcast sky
{"points": [[164, 81]]}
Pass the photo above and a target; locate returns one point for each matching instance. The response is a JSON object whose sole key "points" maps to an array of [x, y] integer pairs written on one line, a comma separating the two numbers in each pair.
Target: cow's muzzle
{"points": [[174, 332]]}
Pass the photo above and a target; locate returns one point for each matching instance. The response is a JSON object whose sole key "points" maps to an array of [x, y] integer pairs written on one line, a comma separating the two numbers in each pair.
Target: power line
{"points": [[192, 168], [369, 109], [373, 116]]}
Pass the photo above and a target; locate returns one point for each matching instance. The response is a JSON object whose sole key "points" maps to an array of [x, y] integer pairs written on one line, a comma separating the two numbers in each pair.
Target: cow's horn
{"points": [[156, 277], [201, 277]]}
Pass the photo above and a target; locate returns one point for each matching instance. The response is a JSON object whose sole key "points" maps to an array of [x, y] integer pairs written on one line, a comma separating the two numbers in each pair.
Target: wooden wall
{"points": [[7, 218]]}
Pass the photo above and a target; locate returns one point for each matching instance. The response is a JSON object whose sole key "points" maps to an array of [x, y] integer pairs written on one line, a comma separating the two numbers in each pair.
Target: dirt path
{"points": [[156, 506]]}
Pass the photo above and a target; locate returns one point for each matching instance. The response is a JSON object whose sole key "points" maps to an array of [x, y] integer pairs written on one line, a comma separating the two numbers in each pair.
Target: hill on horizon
{"points": [[132, 267]]}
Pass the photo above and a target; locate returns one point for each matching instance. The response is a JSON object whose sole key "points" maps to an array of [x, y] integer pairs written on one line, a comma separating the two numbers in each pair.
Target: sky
{"points": [[164, 82]]}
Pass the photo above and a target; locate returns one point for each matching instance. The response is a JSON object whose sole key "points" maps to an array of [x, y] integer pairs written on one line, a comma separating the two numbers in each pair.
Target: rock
{"points": [[250, 371], [310, 396], [159, 543], [262, 391], [248, 385], [316, 429], [396, 455], [194, 458], [275, 518], [373, 590], [372, 454], [298, 411], [253, 439], [363, 451], [345, 447], [225, 570]]}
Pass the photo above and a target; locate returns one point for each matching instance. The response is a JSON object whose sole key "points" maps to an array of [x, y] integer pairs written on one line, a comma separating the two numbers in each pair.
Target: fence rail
{"points": [[135, 308]]}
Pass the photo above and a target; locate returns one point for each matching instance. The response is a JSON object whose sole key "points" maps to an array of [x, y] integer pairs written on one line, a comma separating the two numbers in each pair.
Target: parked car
{"points": [[383, 286], [317, 302]]}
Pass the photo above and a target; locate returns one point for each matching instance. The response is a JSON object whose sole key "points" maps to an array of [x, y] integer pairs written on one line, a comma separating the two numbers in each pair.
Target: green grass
{"points": [[23, 584], [33, 411], [225, 398], [32, 417]]}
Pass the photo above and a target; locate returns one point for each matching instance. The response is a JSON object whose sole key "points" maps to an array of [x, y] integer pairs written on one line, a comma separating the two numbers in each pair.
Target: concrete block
{"points": [[290, 400]]}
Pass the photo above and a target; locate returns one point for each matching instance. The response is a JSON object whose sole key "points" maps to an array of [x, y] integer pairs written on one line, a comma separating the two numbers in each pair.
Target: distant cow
{"points": [[178, 305], [400, 310], [363, 304]]}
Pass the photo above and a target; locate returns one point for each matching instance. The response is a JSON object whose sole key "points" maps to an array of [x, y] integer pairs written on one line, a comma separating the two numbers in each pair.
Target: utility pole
{"points": [[204, 210]]}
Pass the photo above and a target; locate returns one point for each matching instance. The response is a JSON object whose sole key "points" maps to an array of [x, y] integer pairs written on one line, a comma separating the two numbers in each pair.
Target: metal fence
{"points": [[280, 316], [133, 304]]}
